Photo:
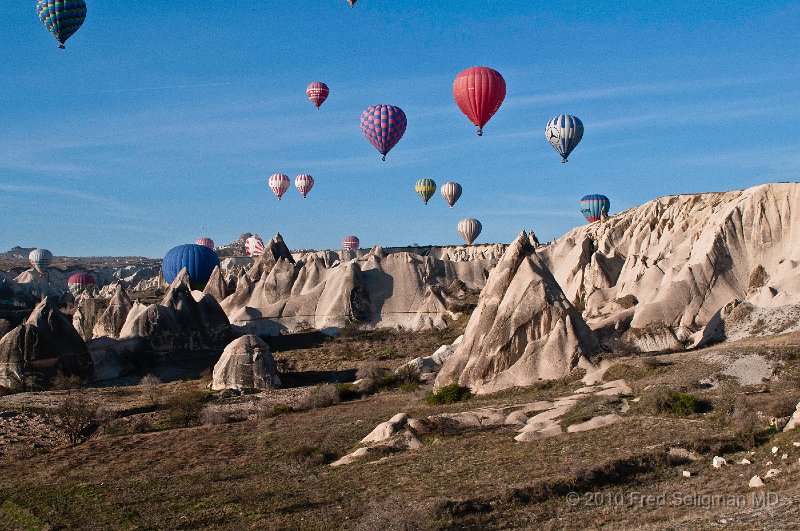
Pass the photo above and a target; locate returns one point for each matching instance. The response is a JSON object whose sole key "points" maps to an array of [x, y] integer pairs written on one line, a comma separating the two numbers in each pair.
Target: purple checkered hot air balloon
{"points": [[383, 125]]}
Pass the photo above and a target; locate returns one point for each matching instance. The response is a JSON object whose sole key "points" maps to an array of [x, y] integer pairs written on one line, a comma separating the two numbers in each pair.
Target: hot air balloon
{"points": [[469, 229], [351, 2], [80, 282], [383, 125], [593, 207], [198, 260], [451, 192], [479, 92], [564, 132], [279, 183], [317, 92], [350, 242], [254, 245], [208, 242], [304, 183], [62, 18], [40, 259], [425, 189]]}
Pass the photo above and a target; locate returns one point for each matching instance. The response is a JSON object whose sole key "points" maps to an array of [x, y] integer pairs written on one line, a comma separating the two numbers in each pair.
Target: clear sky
{"points": [[161, 123]]}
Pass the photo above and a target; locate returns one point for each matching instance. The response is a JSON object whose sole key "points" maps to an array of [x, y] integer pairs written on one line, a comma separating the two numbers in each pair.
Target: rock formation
{"points": [[246, 363], [45, 345], [111, 321], [523, 330]]}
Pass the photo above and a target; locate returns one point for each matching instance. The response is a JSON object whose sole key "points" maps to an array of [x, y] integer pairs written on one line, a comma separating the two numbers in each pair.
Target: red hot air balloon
{"points": [[317, 92], [350, 242], [384, 126], [208, 242], [479, 92], [279, 183], [304, 183], [351, 2]]}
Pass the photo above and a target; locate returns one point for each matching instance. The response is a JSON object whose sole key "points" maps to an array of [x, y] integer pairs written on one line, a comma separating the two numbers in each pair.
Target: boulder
{"points": [[795, 420], [756, 482], [523, 330], [246, 364]]}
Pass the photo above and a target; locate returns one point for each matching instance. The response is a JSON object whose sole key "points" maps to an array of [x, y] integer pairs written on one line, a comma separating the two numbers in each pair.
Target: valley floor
{"points": [[247, 463]]}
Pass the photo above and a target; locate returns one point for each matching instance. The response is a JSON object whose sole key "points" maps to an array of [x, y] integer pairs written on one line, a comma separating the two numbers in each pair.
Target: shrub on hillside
{"points": [[665, 401], [76, 416], [449, 394], [323, 395], [185, 406]]}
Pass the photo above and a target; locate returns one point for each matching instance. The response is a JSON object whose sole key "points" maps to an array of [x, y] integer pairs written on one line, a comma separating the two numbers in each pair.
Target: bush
{"points": [[150, 384], [76, 417], [323, 395], [185, 406], [665, 401], [60, 382], [745, 423], [282, 409], [449, 394], [347, 391], [408, 374], [309, 455]]}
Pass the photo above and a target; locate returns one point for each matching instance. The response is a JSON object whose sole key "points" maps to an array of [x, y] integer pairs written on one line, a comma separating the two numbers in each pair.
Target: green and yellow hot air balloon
{"points": [[425, 189]]}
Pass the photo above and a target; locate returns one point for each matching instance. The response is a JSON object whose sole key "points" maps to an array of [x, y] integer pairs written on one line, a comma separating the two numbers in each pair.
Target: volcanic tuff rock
{"points": [[658, 273], [246, 363], [43, 346], [523, 330], [112, 320]]}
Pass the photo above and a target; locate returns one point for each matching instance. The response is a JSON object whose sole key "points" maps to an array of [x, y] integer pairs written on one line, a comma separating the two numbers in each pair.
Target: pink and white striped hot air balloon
{"points": [[451, 192], [350, 242], [279, 183], [304, 183], [254, 245], [208, 242], [317, 92]]}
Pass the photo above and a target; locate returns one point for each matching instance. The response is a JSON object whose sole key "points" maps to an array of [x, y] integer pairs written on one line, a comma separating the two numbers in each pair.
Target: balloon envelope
{"points": [[384, 126], [208, 242], [351, 2], [40, 259], [350, 242], [304, 183], [62, 18], [592, 207], [198, 260], [80, 282], [279, 183], [254, 246], [479, 92], [425, 188], [564, 132], [469, 229], [451, 192], [317, 92]]}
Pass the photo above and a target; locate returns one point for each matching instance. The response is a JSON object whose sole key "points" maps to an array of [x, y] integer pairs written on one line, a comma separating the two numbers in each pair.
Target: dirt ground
{"points": [[253, 466]]}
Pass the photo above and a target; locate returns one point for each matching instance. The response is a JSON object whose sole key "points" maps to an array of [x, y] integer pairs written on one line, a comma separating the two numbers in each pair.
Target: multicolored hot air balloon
{"points": [[279, 183], [40, 259], [350, 242], [317, 92], [254, 245], [62, 18], [451, 192], [383, 125], [425, 188], [594, 206], [304, 183], [479, 92], [80, 282], [564, 132], [198, 260], [469, 229], [208, 242], [351, 2]]}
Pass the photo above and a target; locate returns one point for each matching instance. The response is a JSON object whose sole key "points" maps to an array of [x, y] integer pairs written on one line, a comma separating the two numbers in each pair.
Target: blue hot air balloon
{"points": [[198, 260], [62, 18], [592, 206]]}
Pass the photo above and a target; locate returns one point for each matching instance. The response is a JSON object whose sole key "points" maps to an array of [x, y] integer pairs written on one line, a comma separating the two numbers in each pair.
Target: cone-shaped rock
{"points": [[110, 323], [523, 330], [246, 363], [217, 286]]}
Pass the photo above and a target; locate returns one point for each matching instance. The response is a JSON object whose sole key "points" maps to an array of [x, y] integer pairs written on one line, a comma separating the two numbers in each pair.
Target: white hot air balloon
{"points": [[279, 183], [451, 192], [564, 132], [40, 259], [304, 183], [469, 229]]}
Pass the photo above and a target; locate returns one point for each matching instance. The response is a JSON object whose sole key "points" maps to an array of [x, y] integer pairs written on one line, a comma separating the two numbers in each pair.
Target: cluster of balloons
{"points": [[279, 183], [451, 191]]}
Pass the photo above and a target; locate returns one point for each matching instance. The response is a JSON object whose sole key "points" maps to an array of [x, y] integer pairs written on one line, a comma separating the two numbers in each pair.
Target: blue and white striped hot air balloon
{"points": [[592, 207], [564, 132], [40, 259]]}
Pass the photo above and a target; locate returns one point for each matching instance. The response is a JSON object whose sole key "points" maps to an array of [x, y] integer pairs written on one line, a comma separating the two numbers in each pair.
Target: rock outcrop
{"points": [[246, 364], [523, 330], [45, 345], [111, 321], [656, 274]]}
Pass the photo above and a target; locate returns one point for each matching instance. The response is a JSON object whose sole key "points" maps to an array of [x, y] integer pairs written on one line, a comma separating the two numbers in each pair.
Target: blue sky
{"points": [[161, 124]]}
